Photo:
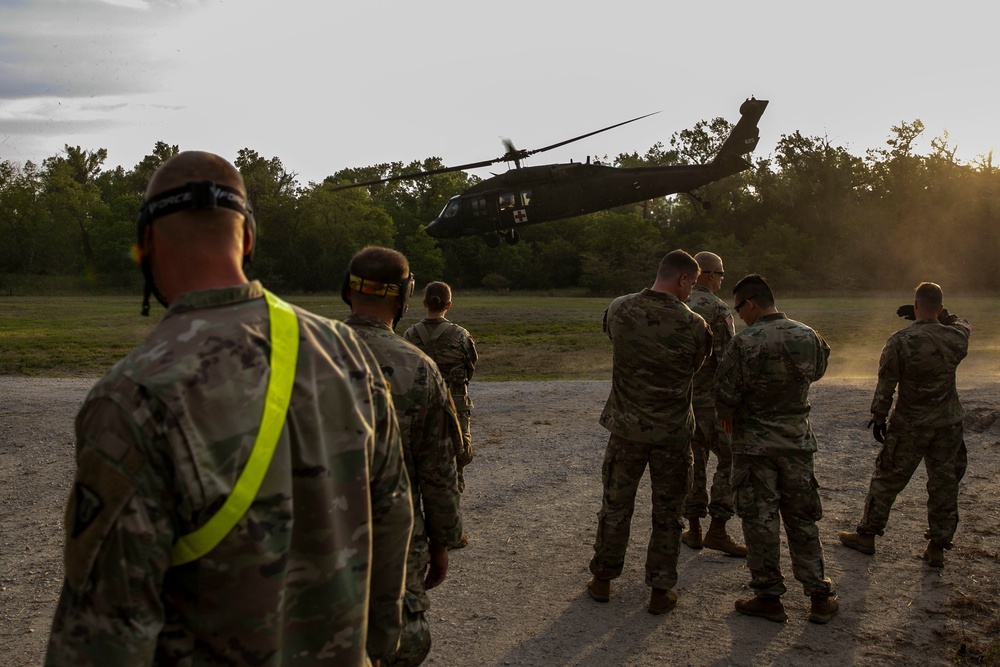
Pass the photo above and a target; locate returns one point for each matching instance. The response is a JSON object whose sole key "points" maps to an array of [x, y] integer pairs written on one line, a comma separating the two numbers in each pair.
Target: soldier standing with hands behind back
{"points": [[708, 435], [762, 396], [926, 424]]}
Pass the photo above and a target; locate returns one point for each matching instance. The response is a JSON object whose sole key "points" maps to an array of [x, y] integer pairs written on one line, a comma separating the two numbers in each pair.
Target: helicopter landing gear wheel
{"points": [[511, 237], [492, 240]]}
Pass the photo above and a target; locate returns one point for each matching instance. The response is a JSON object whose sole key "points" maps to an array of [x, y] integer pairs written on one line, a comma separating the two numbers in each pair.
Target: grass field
{"points": [[518, 337]]}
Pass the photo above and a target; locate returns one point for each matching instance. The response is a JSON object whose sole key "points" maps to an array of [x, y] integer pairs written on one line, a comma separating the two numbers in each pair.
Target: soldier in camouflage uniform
{"points": [[708, 436], [925, 425], [454, 351], [658, 345], [313, 572], [378, 287], [761, 395]]}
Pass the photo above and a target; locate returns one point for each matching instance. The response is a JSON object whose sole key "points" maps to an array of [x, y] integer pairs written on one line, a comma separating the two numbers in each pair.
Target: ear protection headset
{"points": [[189, 197], [402, 291]]}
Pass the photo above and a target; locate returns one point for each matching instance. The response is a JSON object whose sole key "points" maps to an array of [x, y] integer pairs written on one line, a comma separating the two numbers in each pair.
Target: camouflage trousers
{"points": [[670, 477], [944, 455], [415, 638], [708, 437], [465, 422], [774, 489]]}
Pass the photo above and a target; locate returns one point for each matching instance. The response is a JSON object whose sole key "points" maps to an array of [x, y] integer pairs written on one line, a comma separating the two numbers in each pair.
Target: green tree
{"points": [[328, 229], [273, 195], [816, 191], [139, 176], [622, 251], [74, 203], [25, 223], [113, 233], [412, 203]]}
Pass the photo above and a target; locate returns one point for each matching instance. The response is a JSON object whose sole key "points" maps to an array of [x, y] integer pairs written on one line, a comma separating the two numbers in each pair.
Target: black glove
{"points": [[906, 312], [946, 318], [878, 429]]}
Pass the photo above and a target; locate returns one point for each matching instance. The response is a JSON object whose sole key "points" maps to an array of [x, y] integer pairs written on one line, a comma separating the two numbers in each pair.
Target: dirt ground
{"points": [[515, 595]]}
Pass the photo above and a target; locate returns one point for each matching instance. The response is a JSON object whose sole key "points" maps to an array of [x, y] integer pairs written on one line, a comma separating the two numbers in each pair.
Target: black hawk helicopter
{"points": [[497, 207]]}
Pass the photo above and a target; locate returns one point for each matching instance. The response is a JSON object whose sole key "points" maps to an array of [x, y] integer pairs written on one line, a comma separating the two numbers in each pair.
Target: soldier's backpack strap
{"points": [[427, 338], [284, 355], [437, 332], [423, 333], [430, 342]]}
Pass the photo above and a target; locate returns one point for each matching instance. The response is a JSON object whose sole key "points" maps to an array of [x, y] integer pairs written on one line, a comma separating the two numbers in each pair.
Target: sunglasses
{"points": [[741, 304]]}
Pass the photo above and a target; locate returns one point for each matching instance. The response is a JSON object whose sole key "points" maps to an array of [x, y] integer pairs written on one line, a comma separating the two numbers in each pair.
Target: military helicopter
{"points": [[498, 206]]}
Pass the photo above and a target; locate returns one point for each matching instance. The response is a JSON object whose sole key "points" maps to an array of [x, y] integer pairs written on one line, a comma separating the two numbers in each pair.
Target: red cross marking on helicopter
{"points": [[520, 215]]}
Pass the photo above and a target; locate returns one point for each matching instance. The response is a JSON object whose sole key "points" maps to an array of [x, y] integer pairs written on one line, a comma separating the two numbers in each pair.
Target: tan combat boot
{"points": [[823, 609], [662, 600], [692, 536], [934, 555], [863, 542], [717, 538], [599, 589], [769, 607]]}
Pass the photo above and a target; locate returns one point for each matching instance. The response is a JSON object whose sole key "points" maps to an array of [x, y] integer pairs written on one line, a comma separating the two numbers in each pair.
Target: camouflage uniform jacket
{"points": [[309, 575], [658, 344], [454, 352], [922, 359], [431, 438], [719, 317], [762, 384]]}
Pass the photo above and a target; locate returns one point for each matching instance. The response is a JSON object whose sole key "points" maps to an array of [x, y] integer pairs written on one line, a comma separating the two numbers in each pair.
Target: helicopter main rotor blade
{"points": [[589, 134], [417, 174], [513, 155]]}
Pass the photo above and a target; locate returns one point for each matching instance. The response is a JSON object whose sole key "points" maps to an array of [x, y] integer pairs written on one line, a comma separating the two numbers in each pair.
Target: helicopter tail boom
{"points": [[744, 137]]}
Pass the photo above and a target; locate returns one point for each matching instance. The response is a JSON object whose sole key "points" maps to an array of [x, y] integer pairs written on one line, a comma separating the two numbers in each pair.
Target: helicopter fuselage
{"points": [[531, 195]]}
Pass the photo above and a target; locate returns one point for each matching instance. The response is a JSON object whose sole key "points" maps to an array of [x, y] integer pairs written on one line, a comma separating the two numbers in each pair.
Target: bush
{"points": [[496, 282]]}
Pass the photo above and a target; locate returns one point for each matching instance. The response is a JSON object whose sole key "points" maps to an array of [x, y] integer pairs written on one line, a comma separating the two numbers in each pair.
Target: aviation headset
{"points": [[402, 291], [189, 197]]}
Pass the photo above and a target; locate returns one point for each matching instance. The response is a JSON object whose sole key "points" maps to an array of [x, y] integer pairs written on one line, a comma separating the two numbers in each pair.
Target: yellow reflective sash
{"points": [[284, 354]]}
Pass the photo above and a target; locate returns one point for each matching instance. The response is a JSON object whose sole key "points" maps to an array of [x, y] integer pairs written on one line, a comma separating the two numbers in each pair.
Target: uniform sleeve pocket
{"points": [[97, 499]]}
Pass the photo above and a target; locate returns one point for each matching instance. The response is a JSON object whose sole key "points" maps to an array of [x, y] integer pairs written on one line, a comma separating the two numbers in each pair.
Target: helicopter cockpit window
{"points": [[525, 197], [506, 201], [451, 208]]}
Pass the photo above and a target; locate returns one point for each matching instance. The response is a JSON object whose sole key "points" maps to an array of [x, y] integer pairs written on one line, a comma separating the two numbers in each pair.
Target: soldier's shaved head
{"points": [[202, 225], [191, 167], [185, 249], [708, 261], [712, 273], [929, 295]]}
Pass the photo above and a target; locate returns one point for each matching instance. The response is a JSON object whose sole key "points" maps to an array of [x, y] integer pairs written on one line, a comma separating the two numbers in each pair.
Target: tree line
{"points": [[810, 217]]}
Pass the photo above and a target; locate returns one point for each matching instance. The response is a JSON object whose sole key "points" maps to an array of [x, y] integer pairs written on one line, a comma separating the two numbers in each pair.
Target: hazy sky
{"points": [[325, 85]]}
